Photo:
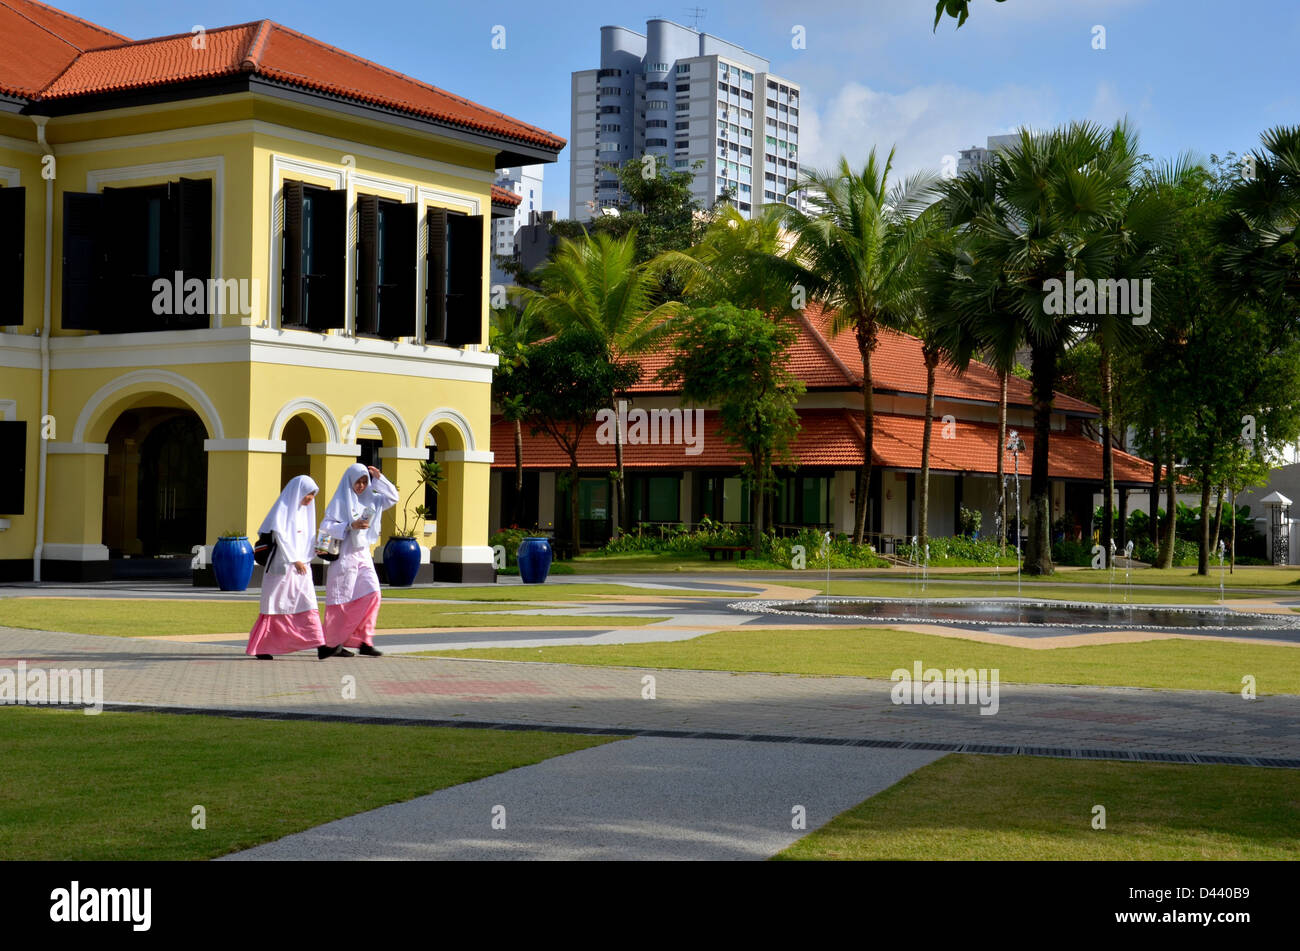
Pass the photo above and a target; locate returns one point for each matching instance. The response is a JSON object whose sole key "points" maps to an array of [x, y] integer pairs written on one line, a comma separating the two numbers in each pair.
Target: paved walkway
{"points": [[217, 677], [638, 799]]}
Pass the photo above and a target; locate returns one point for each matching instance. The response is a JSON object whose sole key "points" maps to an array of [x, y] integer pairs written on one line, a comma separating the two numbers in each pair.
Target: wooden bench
{"points": [[728, 551]]}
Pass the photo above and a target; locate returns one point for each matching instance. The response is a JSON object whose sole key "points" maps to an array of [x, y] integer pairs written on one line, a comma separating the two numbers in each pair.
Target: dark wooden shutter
{"points": [[291, 286], [13, 236], [82, 261], [367, 264], [191, 201], [327, 286], [435, 295], [13, 450], [464, 280], [398, 310]]}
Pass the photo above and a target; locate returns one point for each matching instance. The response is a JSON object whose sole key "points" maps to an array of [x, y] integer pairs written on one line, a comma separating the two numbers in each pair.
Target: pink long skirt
{"points": [[285, 633], [352, 624]]}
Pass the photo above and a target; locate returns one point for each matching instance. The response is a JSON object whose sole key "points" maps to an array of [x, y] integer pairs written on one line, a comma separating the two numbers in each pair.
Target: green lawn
{"points": [[902, 587], [864, 652], [123, 785], [578, 591], [118, 617], [1029, 808]]}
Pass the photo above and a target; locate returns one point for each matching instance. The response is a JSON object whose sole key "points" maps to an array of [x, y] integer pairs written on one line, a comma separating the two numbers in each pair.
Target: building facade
{"points": [[673, 480], [972, 158], [693, 101], [231, 260]]}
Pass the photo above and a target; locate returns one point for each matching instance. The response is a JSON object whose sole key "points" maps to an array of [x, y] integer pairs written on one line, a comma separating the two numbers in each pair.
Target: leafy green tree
{"points": [[1262, 252], [860, 252], [565, 381], [659, 208], [510, 335], [736, 359], [1042, 215], [596, 284]]}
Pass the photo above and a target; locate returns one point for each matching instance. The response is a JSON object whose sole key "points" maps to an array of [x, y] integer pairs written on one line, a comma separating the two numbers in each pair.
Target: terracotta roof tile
{"points": [[833, 438], [92, 61], [38, 42], [504, 196]]}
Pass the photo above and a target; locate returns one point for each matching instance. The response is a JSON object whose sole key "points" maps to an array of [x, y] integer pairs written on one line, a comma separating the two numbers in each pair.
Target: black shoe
{"points": [[344, 652], [323, 652], [368, 650], [265, 657]]}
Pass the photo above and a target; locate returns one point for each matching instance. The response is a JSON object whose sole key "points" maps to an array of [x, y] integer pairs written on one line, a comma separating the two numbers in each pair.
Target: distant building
{"points": [[685, 97], [526, 183], [973, 157]]}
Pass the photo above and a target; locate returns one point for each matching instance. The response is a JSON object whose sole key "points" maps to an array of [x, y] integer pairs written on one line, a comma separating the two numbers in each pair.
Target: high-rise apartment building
{"points": [[974, 157], [526, 182], [695, 102]]}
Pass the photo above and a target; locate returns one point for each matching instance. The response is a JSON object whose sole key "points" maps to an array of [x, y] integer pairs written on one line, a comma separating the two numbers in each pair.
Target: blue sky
{"points": [[1200, 75]]}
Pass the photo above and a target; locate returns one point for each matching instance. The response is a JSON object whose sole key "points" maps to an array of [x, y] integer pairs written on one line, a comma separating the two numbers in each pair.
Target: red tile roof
{"points": [[504, 196], [38, 42], [833, 438], [92, 61], [826, 361]]}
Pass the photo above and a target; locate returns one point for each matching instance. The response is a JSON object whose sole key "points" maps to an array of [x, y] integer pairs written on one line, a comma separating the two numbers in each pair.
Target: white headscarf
{"points": [[294, 522], [346, 506]]}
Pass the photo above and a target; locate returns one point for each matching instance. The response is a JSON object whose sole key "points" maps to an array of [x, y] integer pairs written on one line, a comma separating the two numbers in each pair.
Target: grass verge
{"points": [[1029, 808], [1174, 664], [129, 618], [123, 785]]}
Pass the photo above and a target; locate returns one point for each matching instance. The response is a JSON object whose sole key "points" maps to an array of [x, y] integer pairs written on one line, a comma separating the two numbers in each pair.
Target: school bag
{"points": [[264, 550]]}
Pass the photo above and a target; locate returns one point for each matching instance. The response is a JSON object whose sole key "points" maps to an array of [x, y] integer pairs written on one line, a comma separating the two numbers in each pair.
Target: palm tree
{"points": [[730, 264], [1048, 208], [1263, 243], [860, 254], [595, 283], [510, 334]]}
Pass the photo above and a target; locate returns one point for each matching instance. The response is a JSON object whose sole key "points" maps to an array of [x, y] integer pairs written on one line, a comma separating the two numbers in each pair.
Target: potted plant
{"points": [[232, 561], [402, 551], [534, 558]]}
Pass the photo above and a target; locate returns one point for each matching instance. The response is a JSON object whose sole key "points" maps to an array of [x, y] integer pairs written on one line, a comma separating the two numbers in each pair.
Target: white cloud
{"points": [[923, 123]]}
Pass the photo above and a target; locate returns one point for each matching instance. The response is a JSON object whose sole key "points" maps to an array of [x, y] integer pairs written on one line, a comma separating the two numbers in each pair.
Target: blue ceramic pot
{"points": [[402, 561], [232, 563], [534, 560]]}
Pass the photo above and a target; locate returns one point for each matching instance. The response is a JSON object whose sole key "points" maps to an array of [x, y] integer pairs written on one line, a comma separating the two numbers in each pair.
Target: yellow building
{"points": [[226, 259]]}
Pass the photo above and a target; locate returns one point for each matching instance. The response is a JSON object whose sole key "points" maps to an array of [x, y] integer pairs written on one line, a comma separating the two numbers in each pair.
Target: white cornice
{"points": [[250, 345]]}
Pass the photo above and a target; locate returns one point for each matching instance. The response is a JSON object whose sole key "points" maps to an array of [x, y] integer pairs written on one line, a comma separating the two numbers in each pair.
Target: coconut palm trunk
{"points": [[866, 343], [1203, 556], [519, 474], [1038, 557], [1218, 515], [931, 361], [1166, 556], [1153, 522], [1002, 462], [1107, 457]]}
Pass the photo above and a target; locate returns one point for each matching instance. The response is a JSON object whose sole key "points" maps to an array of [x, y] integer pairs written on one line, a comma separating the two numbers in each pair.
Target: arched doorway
{"points": [[155, 486]]}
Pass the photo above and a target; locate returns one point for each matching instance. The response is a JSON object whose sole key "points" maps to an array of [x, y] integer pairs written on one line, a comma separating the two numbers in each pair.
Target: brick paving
{"points": [[220, 677]]}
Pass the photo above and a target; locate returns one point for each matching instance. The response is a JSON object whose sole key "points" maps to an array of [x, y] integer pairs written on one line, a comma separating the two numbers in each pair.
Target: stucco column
{"points": [[462, 553], [243, 483], [74, 548], [401, 466]]}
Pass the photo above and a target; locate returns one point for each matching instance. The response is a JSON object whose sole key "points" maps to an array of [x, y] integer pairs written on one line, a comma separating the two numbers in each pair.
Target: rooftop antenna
{"points": [[696, 14]]}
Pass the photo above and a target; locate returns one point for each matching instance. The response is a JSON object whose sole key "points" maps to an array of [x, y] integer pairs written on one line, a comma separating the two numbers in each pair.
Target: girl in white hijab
{"points": [[351, 585], [289, 620]]}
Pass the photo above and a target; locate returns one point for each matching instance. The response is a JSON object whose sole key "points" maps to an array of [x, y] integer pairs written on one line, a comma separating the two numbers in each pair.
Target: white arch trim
{"points": [[383, 412], [448, 415], [305, 404], [109, 389]]}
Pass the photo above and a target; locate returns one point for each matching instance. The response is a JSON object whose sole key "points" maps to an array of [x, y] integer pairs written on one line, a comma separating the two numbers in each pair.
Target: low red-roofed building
{"points": [[682, 480]]}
